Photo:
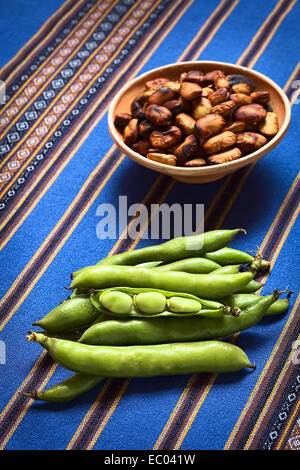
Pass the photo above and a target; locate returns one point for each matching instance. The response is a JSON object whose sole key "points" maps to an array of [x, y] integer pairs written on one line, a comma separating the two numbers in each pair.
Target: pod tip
{"points": [[252, 366]]}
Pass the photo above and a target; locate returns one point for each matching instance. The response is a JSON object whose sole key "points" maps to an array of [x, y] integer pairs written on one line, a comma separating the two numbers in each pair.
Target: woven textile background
{"points": [[62, 63]]}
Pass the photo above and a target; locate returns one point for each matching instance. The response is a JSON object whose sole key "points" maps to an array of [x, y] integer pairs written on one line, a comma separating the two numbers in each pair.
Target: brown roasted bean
{"points": [[219, 142], [249, 142], [225, 109], [175, 86], [195, 162], [161, 95], [241, 99], [201, 107], [146, 94], [190, 91], [219, 96], [235, 126], [156, 83], [208, 78], [194, 76], [145, 128], [250, 113], [261, 97], [130, 133], [162, 158], [187, 149], [159, 115], [220, 81], [121, 120], [207, 92], [186, 123], [137, 109], [175, 106], [251, 127], [269, 127], [224, 157], [142, 146], [167, 138], [187, 106], [209, 125], [241, 88]]}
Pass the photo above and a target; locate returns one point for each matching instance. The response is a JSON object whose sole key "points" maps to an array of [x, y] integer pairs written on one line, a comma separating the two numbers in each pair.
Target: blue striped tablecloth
{"points": [[62, 63]]}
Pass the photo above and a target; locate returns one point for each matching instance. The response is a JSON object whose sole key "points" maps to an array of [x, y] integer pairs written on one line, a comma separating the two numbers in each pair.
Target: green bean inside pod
{"points": [[201, 285], [147, 302], [174, 249]]}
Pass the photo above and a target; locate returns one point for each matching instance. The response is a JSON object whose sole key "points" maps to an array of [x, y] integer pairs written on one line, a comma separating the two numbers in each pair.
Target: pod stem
{"points": [[276, 293], [28, 394], [252, 366]]}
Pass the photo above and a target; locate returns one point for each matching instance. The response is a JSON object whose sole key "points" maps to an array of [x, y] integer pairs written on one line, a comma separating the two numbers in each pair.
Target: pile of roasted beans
{"points": [[159, 310], [198, 120]]}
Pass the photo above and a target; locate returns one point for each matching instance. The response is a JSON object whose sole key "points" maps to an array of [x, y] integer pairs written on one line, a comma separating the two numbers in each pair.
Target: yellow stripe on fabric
{"points": [[173, 414], [255, 37], [90, 411], [87, 115], [270, 396], [24, 411], [288, 426], [216, 29], [31, 40], [60, 94], [56, 71], [111, 410], [219, 24], [274, 29]]}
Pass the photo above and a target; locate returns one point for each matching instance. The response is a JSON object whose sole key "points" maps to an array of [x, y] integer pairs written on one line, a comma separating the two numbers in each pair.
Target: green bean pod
{"points": [[173, 250], [229, 269], [145, 361], [195, 265], [252, 286], [227, 255], [149, 264], [68, 390], [243, 300], [280, 306], [201, 285], [73, 313], [111, 331]]}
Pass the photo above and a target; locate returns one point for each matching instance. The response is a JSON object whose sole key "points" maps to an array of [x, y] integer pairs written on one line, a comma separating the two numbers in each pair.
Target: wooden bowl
{"points": [[122, 101]]}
